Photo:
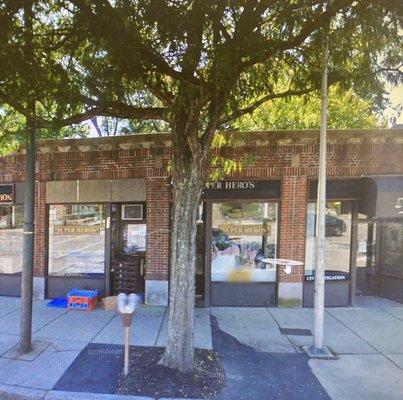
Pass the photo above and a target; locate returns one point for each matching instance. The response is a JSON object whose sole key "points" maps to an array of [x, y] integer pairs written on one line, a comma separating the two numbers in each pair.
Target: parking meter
{"points": [[126, 306]]}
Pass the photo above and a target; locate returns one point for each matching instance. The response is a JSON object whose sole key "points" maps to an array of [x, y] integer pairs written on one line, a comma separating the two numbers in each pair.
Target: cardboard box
{"points": [[109, 303]]}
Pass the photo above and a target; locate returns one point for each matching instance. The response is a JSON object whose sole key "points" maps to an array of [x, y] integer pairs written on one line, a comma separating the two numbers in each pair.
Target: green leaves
{"points": [[346, 110]]}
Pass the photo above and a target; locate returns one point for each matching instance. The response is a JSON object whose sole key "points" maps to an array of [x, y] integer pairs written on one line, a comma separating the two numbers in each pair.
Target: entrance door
{"points": [[128, 248], [366, 267]]}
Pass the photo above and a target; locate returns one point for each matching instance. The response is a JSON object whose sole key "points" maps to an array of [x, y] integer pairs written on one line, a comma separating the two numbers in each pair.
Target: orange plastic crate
{"points": [[85, 300]]}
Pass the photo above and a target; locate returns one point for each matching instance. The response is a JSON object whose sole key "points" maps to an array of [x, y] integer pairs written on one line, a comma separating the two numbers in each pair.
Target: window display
{"points": [[11, 225], [337, 240], [392, 248], [76, 239], [243, 234]]}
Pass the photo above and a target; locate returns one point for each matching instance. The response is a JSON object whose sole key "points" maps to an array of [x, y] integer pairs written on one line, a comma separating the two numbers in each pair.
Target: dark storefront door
{"points": [[380, 259], [200, 300], [128, 245]]}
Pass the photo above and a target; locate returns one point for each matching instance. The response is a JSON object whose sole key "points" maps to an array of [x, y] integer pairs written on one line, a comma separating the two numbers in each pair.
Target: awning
{"points": [[382, 197]]}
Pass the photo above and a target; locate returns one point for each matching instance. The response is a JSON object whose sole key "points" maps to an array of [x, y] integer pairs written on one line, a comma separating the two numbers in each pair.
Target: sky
{"points": [[396, 98]]}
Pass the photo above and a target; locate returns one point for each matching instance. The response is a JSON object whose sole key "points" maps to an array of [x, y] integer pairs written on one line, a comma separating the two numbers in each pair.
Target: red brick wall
{"points": [[290, 156], [40, 230], [293, 209], [158, 226]]}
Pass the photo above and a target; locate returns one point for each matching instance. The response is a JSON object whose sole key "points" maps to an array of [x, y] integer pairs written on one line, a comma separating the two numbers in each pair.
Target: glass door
{"points": [[129, 231], [365, 258]]}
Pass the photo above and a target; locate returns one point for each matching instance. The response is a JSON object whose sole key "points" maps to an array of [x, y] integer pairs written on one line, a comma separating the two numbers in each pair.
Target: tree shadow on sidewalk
{"points": [[250, 374], [256, 375]]}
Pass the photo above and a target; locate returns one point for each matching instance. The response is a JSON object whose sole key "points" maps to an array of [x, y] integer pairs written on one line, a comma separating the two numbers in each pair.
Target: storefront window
{"points": [[392, 248], [76, 239], [366, 238], [365, 261], [11, 224], [337, 240], [243, 234]]}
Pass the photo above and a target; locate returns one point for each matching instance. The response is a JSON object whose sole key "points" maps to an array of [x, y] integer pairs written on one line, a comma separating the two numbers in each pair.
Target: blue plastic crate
{"points": [[83, 293], [58, 302]]}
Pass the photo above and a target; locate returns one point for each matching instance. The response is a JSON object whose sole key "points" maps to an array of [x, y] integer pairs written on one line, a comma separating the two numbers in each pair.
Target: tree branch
{"points": [[108, 25], [106, 109], [320, 19], [247, 110]]}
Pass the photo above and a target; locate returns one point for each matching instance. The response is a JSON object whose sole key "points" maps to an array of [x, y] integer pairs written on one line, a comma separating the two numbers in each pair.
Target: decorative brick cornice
{"points": [[233, 139]]}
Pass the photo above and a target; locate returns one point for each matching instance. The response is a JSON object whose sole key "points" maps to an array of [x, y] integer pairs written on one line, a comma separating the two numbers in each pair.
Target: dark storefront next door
{"points": [[128, 246], [380, 258]]}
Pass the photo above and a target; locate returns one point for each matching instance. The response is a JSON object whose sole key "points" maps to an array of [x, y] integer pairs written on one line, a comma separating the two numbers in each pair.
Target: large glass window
{"points": [[11, 224], [76, 239], [243, 233], [337, 239], [392, 248]]}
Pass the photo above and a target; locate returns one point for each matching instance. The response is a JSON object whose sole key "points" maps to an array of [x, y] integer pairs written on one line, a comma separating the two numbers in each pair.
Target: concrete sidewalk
{"points": [[368, 343], [60, 336]]}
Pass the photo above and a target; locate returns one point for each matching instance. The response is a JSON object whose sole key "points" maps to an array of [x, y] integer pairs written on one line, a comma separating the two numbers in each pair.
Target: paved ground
{"points": [[367, 340]]}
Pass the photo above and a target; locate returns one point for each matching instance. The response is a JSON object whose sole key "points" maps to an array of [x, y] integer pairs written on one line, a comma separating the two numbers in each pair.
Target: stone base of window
{"points": [[39, 287], [290, 294], [156, 293]]}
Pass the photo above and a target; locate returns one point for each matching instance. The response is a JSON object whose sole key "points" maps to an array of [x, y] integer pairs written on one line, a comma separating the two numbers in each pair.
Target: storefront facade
{"points": [[103, 218]]}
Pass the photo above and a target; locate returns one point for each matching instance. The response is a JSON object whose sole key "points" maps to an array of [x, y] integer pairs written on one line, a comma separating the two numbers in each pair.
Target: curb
{"points": [[9, 392], [62, 395]]}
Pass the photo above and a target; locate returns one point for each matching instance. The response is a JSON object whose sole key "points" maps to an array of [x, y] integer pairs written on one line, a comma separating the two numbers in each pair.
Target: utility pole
{"points": [[29, 200], [317, 350]]}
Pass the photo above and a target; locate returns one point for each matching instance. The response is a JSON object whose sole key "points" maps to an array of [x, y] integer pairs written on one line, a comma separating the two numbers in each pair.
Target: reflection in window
{"points": [[337, 238], [242, 235], [134, 238], [365, 261], [11, 224], [392, 248], [76, 239]]}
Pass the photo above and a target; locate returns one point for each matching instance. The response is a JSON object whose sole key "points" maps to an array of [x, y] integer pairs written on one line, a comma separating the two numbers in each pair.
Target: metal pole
{"points": [[319, 297], [127, 336], [28, 246]]}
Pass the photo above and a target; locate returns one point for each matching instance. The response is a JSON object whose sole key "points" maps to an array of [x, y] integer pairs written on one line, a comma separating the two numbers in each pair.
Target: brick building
{"points": [[103, 218]]}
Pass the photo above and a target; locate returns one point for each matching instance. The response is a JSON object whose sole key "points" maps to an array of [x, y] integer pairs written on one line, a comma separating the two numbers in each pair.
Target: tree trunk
{"points": [[28, 241], [188, 184], [28, 246]]}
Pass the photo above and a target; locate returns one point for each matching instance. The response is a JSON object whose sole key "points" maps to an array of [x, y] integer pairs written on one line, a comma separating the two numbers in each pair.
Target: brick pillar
{"points": [[158, 226], [293, 209], [40, 240]]}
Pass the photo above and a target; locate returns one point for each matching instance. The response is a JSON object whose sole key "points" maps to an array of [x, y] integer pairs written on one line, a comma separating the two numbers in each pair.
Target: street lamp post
{"points": [[317, 350]]}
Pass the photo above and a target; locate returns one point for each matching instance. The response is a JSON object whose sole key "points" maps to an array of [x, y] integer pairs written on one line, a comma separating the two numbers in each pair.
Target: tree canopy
{"points": [[246, 52], [346, 110]]}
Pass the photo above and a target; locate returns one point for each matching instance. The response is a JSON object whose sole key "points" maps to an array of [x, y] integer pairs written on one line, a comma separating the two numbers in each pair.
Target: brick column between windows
{"points": [[293, 208], [158, 234], [40, 241], [40, 229]]}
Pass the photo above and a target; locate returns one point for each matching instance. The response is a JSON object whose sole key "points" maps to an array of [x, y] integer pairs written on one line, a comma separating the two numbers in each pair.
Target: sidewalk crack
{"points": [[369, 344], [160, 328]]}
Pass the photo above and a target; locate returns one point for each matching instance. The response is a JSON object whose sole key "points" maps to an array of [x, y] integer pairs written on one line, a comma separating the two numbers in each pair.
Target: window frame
{"points": [[209, 237]]}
